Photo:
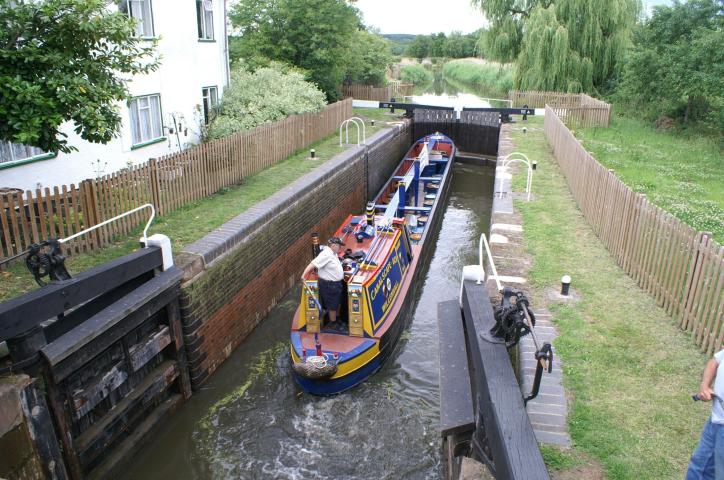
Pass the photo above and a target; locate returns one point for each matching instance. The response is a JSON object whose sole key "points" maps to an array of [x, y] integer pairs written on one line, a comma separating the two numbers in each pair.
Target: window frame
{"points": [[129, 12], [138, 143], [25, 160], [211, 106], [201, 25]]}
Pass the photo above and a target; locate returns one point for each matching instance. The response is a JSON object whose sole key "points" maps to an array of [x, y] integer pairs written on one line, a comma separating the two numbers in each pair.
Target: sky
{"points": [[432, 16]]}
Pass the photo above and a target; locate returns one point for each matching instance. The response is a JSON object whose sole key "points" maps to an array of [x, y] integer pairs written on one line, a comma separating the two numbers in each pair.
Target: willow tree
{"points": [[568, 45]]}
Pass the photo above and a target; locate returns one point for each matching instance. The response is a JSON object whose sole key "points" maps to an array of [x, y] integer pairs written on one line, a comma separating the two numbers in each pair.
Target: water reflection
{"points": [[446, 92]]}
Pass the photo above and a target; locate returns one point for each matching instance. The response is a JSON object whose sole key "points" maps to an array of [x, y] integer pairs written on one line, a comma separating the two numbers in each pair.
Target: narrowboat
{"points": [[384, 251]]}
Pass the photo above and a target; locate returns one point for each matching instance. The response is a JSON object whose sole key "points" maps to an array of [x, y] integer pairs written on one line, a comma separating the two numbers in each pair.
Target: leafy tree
{"points": [[310, 34], [437, 45], [568, 45], [419, 48], [64, 60], [458, 45], [369, 55], [264, 95], [677, 65]]}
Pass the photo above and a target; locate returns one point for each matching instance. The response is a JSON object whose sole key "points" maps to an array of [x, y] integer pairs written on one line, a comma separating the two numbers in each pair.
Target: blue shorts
{"points": [[330, 294]]}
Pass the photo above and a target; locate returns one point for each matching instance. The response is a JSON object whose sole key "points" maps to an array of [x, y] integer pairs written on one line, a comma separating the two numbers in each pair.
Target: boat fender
{"points": [[317, 366]]}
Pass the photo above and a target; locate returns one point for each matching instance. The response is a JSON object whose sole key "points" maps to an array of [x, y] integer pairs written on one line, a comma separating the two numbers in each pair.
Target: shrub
{"points": [[265, 95], [416, 74]]}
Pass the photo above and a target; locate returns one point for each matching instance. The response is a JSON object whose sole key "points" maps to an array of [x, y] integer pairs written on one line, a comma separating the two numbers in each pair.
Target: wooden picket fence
{"points": [[168, 183], [577, 110], [395, 89], [681, 268]]}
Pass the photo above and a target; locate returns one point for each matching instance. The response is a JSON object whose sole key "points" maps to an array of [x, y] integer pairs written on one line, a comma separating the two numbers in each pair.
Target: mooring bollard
{"points": [[565, 285]]}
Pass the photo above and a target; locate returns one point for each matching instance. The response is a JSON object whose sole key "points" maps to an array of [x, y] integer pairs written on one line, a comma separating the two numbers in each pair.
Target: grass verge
{"points": [[487, 76], [684, 175], [628, 370], [196, 219]]}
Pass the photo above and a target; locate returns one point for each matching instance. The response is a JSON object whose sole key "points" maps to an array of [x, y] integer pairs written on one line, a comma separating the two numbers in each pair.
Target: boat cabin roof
{"points": [[375, 249]]}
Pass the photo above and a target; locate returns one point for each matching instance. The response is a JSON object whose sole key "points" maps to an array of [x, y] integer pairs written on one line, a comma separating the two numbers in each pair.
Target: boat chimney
{"points": [[371, 214], [315, 244]]}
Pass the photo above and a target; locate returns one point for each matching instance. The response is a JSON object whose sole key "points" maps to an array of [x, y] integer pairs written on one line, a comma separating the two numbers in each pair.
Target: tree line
{"points": [[67, 60], [455, 45], [671, 63]]}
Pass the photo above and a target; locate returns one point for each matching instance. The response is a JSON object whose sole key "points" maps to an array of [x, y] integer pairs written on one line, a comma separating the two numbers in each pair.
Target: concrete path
{"points": [[548, 413]]}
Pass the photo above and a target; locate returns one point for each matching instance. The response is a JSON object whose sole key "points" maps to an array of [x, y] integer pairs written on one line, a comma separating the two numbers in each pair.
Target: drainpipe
{"points": [[226, 47]]}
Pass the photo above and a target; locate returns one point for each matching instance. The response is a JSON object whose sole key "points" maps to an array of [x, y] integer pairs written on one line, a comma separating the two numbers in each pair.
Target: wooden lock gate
{"points": [[108, 347]]}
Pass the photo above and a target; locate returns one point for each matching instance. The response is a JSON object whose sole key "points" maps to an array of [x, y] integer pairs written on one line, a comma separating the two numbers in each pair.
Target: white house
{"points": [[167, 106]]}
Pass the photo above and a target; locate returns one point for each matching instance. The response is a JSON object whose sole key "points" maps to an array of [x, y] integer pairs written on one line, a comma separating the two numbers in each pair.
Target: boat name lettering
{"points": [[383, 275]]}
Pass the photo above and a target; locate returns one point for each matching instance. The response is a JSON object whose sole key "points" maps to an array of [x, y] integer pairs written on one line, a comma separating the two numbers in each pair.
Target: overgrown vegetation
{"points": [[496, 77], [262, 96], [628, 370], [416, 74], [325, 38], [684, 176], [196, 219], [676, 67]]}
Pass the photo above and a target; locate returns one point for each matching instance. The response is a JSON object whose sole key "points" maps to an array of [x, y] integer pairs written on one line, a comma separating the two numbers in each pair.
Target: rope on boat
{"points": [[318, 361]]}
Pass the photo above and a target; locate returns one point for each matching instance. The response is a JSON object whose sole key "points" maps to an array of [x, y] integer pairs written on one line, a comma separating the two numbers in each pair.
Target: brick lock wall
{"points": [[237, 273]]}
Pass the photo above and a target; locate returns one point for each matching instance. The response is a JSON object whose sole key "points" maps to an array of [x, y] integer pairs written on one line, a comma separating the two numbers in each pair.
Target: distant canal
{"points": [[251, 421], [446, 92]]}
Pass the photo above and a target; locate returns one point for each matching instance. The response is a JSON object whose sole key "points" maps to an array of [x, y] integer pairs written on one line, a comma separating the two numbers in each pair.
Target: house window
{"points": [[205, 19], [139, 10], [211, 100], [16, 152], [146, 118]]}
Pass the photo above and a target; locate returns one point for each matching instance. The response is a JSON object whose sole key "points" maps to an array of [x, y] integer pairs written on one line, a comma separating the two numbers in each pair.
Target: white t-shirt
{"points": [[717, 411], [328, 265]]}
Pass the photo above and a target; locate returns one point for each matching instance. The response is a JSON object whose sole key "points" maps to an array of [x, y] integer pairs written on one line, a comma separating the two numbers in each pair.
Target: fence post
{"points": [[155, 186], [90, 212]]}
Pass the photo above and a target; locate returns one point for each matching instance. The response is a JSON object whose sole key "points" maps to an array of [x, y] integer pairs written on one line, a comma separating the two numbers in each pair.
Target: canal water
{"points": [[446, 92], [251, 421]]}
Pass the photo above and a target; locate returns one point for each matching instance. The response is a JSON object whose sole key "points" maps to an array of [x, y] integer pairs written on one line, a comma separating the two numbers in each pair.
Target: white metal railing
{"points": [[117, 217], [357, 122], [507, 161], [477, 272]]}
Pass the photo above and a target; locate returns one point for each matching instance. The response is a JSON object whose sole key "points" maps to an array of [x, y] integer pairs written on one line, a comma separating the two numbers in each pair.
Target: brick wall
{"points": [[237, 273]]}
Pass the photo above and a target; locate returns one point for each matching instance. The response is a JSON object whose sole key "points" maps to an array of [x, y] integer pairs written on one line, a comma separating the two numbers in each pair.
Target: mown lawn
{"points": [[628, 370], [194, 220], [682, 175]]}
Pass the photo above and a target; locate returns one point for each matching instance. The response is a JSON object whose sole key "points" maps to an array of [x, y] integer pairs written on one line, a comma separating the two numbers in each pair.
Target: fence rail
{"points": [[577, 110], [394, 89], [681, 268], [168, 183]]}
